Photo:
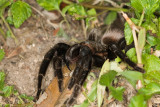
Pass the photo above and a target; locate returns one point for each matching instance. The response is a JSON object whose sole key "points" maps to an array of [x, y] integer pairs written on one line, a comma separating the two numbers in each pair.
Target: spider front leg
{"points": [[58, 51], [57, 66], [79, 79], [83, 66]]}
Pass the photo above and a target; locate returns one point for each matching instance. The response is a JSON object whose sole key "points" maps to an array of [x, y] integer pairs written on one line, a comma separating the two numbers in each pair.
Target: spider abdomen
{"points": [[112, 36]]}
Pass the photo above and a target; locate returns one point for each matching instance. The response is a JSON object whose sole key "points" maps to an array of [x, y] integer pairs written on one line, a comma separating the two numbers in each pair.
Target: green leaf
{"points": [[100, 88], [8, 33], [133, 77], [151, 63], [111, 17], [128, 31], [81, 1], [20, 12], [2, 78], [93, 93], [158, 27], [26, 97], [2, 54], [7, 105], [7, 90], [91, 96], [153, 76], [2, 2], [131, 53], [84, 104], [115, 66], [50, 4], [10, 20], [91, 12], [88, 21], [149, 6], [61, 33], [150, 26], [152, 40], [147, 49], [137, 5], [150, 89], [3, 5], [107, 78], [138, 101], [78, 11], [65, 9], [117, 93]]}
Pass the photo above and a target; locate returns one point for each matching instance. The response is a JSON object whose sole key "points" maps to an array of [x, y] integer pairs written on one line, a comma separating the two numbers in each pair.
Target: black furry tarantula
{"points": [[92, 52]]}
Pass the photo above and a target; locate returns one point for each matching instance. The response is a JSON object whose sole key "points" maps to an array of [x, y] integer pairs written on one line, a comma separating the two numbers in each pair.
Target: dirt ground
{"points": [[36, 36]]}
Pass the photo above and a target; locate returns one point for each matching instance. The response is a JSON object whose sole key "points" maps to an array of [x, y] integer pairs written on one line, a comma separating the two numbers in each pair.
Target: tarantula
{"points": [[92, 52]]}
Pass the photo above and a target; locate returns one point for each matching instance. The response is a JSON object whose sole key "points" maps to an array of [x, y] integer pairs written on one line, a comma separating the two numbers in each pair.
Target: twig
{"points": [[136, 46], [63, 15], [12, 35], [104, 8], [134, 29], [97, 7], [37, 11], [141, 19], [83, 92], [84, 28], [2, 32], [3, 35], [40, 13]]}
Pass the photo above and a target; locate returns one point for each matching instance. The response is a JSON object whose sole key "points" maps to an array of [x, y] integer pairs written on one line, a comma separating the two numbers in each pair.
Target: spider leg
{"points": [[75, 74], [114, 48], [57, 65], [60, 49], [98, 61], [72, 54], [85, 67], [82, 52]]}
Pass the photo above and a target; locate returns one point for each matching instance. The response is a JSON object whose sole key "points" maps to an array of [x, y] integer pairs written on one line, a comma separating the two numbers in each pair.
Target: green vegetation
{"points": [[147, 23], [8, 92], [18, 12]]}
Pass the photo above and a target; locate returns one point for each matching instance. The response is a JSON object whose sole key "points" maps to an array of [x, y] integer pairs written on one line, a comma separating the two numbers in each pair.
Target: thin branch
{"points": [[37, 11], [137, 47], [134, 29], [2, 32], [12, 35], [141, 19], [98, 7]]}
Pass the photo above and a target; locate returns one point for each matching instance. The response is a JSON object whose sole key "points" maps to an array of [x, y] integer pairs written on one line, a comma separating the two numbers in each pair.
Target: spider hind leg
{"points": [[114, 48]]}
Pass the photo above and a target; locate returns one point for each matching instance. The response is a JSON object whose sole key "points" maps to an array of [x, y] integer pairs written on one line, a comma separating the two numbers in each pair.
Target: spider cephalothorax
{"points": [[92, 52]]}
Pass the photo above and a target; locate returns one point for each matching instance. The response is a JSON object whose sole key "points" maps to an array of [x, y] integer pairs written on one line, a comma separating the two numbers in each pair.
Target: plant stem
{"points": [[134, 29], [20, 99], [98, 7], [86, 97], [67, 2], [84, 28], [141, 19], [2, 32], [64, 18], [104, 8], [12, 35], [136, 46]]}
